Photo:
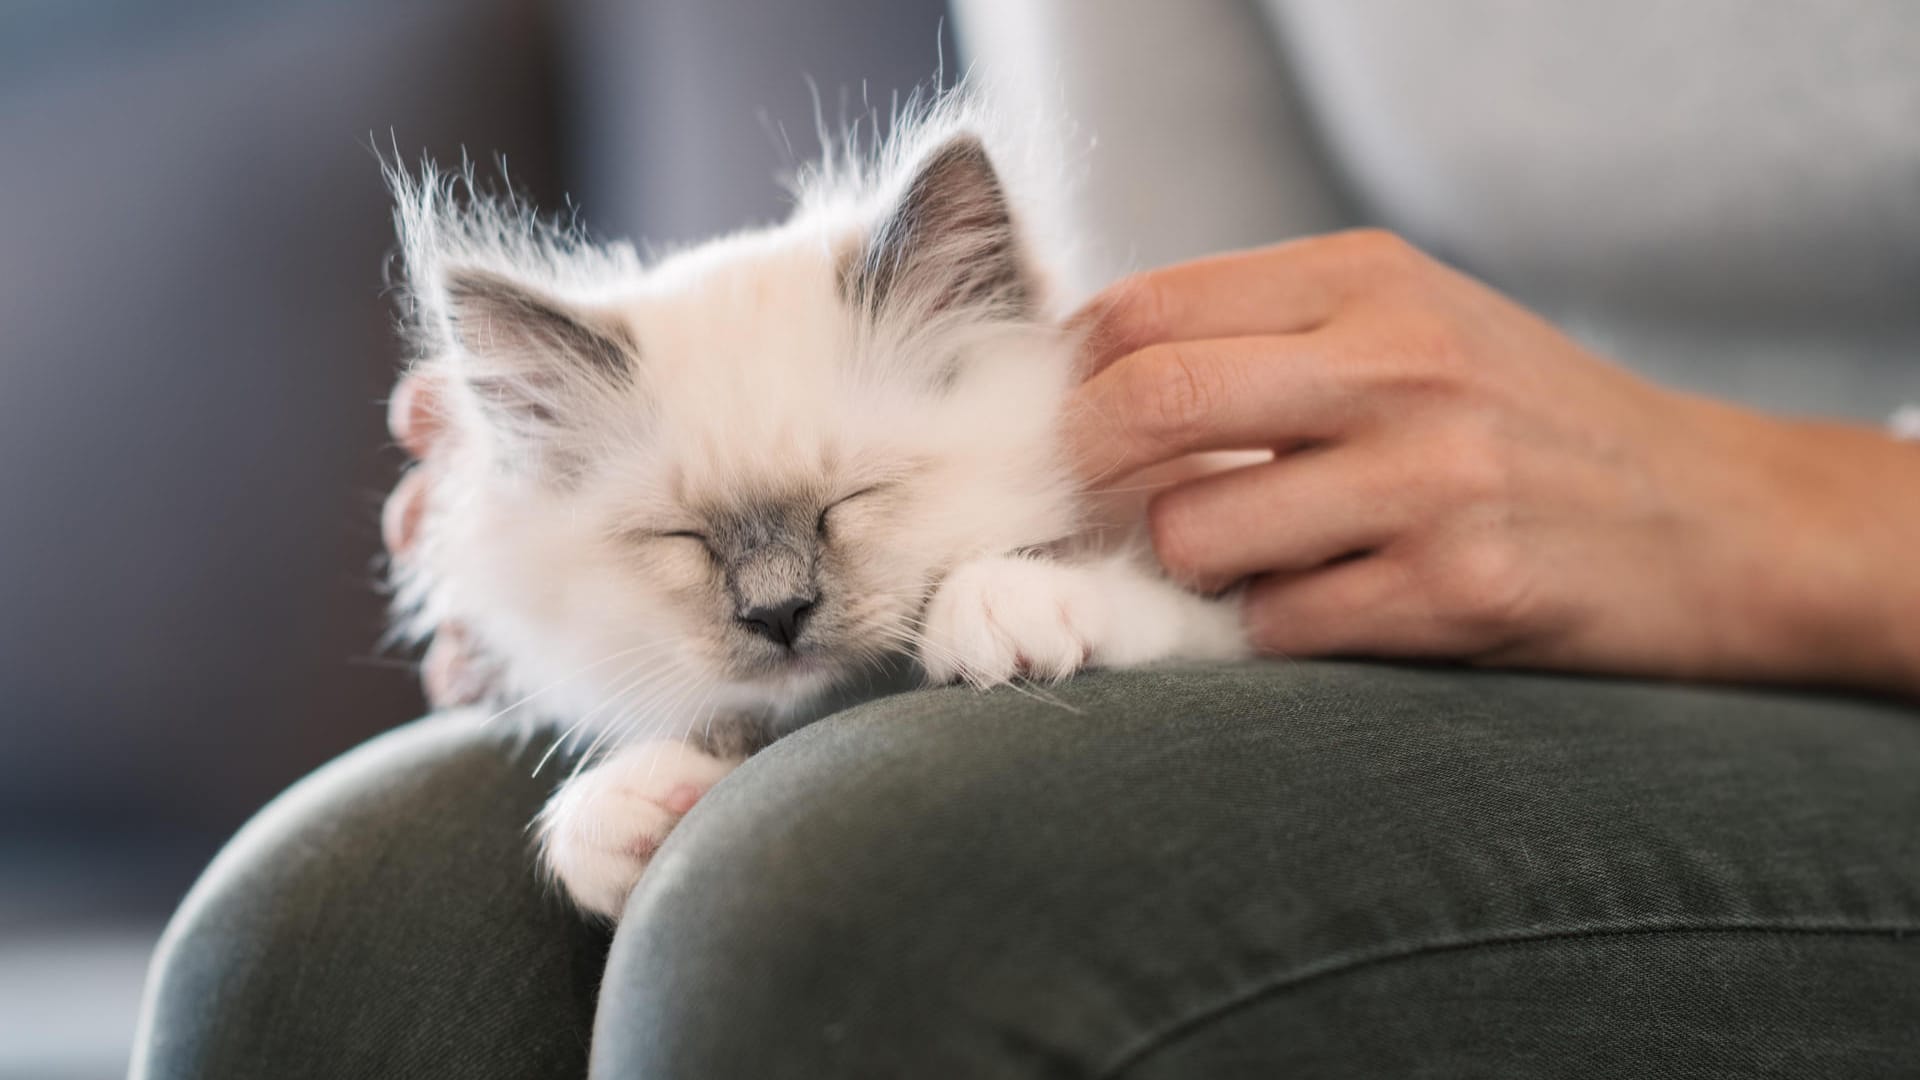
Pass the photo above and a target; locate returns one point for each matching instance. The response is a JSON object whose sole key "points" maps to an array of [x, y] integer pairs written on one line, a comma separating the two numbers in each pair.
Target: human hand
{"points": [[1456, 479], [451, 673]]}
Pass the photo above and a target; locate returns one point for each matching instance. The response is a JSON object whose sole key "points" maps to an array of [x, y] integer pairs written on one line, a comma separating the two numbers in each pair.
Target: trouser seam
{"points": [[1334, 967]]}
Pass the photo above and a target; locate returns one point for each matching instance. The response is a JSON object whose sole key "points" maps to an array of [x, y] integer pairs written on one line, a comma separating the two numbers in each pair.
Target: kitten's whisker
{"points": [[632, 682], [665, 700], [1041, 694], [630, 717], [706, 700], [657, 646], [706, 733]]}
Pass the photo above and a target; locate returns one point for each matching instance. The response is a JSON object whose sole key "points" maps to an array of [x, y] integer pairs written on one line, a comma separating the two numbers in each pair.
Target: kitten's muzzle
{"points": [[780, 622], [771, 556]]}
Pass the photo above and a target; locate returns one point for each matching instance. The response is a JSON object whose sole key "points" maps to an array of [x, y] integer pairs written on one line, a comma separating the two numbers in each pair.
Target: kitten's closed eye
{"points": [[642, 535], [821, 525], [654, 536]]}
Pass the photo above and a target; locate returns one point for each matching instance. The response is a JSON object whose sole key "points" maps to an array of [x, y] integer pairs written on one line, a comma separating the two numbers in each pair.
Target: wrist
{"points": [[1833, 514]]}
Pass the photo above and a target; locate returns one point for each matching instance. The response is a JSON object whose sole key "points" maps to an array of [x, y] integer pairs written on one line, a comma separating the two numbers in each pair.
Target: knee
{"points": [[346, 888], [943, 883]]}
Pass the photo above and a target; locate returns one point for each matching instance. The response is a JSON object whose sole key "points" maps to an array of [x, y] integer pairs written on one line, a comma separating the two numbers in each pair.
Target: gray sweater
{"points": [[1721, 193]]}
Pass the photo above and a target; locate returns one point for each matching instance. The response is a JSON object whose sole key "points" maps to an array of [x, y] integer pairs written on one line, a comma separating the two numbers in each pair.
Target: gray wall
{"points": [[683, 114]]}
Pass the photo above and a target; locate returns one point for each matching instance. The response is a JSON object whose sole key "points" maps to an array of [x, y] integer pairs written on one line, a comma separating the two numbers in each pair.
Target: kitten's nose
{"points": [[779, 623]]}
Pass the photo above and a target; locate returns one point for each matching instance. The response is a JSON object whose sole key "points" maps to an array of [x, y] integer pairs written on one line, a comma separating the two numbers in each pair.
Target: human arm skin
{"points": [[1456, 479]]}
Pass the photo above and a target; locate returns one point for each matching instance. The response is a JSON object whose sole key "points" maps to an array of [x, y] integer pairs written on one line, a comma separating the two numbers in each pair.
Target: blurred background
{"points": [[197, 352]]}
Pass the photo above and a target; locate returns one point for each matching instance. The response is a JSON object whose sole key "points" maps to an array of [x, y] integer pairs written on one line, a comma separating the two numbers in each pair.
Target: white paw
{"points": [[997, 618], [601, 828]]}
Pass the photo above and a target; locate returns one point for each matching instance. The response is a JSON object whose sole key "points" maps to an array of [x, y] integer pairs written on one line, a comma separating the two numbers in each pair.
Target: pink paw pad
{"points": [[681, 797]]}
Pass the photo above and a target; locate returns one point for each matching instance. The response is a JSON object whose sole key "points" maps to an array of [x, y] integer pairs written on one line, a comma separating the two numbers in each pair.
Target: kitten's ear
{"points": [[948, 243], [532, 362]]}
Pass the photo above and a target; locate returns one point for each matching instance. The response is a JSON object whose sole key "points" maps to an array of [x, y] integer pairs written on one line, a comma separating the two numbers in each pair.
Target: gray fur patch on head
{"points": [[491, 314], [769, 550], [535, 365], [948, 243]]}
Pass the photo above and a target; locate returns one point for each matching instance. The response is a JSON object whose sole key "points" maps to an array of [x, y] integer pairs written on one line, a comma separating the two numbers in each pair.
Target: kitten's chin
{"points": [[794, 676]]}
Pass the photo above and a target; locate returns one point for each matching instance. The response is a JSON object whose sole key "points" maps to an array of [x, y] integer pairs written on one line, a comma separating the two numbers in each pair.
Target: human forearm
{"points": [[1842, 521]]}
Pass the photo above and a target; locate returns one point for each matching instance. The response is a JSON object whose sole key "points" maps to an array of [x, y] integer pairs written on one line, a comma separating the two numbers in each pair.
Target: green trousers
{"points": [[1263, 870]]}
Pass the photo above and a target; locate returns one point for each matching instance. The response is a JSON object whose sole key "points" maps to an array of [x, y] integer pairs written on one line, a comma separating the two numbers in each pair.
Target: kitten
{"points": [[687, 498]]}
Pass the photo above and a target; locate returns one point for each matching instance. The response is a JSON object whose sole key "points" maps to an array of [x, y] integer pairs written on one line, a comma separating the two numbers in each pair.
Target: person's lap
{"points": [[1313, 868], [381, 918]]}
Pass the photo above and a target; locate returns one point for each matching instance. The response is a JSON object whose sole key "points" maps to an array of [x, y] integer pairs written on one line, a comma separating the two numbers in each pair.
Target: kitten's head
{"points": [[715, 485]]}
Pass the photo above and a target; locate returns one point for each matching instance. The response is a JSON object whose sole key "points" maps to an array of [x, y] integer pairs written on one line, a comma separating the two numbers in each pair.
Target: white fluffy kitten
{"points": [[684, 499]]}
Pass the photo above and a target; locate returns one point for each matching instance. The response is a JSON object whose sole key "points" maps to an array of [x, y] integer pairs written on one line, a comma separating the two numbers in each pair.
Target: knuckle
{"points": [[1483, 588], [1435, 345], [1427, 356], [1439, 341], [1138, 313], [1174, 393]]}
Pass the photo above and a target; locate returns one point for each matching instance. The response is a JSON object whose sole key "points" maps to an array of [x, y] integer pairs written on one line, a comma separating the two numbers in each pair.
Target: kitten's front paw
{"points": [[601, 828], [996, 618]]}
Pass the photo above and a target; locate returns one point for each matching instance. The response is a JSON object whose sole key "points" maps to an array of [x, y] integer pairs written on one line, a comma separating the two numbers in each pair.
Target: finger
{"points": [[405, 507], [1293, 513], [414, 413], [449, 673], [1283, 289], [1229, 394], [1369, 606]]}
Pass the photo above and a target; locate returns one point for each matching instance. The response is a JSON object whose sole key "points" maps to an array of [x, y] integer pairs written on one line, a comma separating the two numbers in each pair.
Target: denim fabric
{"points": [[1268, 869], [380, 919]]}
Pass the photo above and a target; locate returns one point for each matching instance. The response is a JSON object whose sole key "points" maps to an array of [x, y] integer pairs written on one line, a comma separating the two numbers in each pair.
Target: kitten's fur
{"points": [[856, 412]]}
